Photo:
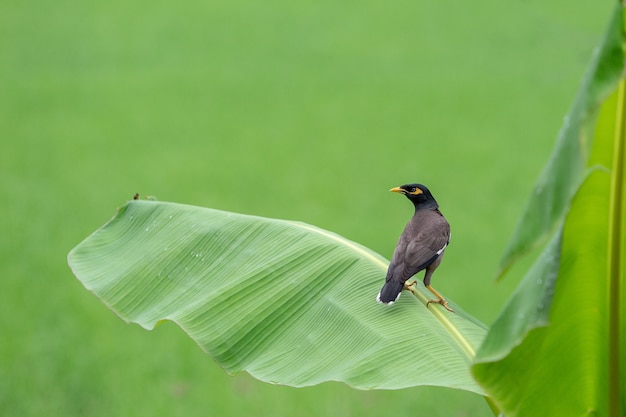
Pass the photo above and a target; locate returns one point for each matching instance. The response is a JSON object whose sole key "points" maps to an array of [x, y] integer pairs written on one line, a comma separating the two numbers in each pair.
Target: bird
{"points": [[421, 246]]}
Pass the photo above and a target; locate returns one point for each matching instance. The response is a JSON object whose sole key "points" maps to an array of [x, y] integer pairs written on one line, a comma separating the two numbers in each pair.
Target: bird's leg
{"points": [[408, 284], [440, 299]]}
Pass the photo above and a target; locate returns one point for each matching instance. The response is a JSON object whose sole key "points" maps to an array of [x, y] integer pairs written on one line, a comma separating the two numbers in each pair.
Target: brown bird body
{"points": [[421, 245]]}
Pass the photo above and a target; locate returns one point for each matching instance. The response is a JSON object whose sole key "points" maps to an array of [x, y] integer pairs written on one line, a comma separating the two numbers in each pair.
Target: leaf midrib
{"points": [[614, 255]]}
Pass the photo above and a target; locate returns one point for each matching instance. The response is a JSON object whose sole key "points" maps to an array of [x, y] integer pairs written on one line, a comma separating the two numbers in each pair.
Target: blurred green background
{"points": [[293, 109]]}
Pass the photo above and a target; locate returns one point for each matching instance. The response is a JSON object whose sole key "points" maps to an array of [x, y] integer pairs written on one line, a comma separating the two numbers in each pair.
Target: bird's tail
{"points": [[390, 292]]}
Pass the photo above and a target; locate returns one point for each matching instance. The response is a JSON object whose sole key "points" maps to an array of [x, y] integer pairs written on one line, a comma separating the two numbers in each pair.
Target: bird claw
{"points": [[443, 302], [407, 284]]}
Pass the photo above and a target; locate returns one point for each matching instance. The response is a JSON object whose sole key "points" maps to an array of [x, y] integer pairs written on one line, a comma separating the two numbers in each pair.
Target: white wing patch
{"points": [[444, 246]]}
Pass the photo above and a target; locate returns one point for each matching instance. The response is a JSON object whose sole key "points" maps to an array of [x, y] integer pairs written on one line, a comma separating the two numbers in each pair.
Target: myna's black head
{"points": [[419, 195]]}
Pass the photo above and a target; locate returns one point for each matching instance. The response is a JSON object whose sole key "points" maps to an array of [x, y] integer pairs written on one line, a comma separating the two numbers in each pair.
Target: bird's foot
{"points": [[441, 301], [408, 284]]}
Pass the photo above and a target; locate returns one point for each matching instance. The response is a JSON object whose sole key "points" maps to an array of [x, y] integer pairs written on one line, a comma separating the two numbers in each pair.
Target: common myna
{"points": [[421, 246]]}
